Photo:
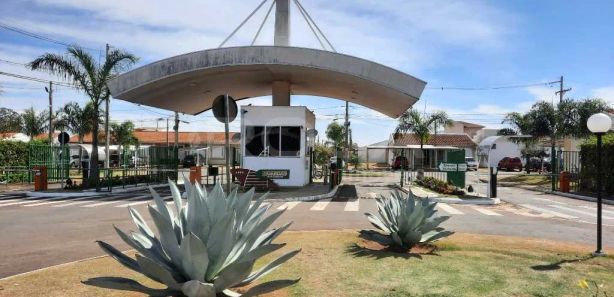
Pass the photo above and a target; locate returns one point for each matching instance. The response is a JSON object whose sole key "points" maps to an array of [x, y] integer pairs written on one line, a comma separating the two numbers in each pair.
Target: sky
{"points": [[478, 46]]}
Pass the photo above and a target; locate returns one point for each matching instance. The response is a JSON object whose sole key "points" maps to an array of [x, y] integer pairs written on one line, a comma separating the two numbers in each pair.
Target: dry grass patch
{"points": [[333, 263]]}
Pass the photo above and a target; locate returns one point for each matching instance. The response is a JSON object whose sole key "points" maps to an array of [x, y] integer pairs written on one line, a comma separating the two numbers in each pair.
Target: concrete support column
{"points": [[281, 93], [282, 23]]}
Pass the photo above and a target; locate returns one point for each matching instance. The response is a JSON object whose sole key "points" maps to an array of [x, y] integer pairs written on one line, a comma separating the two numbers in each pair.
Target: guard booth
{"points": [[275, 143]]}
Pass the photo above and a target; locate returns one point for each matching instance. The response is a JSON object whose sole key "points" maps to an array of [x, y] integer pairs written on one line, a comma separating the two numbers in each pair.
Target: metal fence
{"points": [[570, 163]]}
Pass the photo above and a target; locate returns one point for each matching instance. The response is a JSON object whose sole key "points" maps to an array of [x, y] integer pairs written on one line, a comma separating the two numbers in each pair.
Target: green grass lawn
{"points": [[332, 263], [530, 179]]}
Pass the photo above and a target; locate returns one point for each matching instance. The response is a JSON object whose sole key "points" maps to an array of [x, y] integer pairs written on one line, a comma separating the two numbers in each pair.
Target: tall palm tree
{"points": [[71, 117], [90, 77], [421, 125], [34, 123]]}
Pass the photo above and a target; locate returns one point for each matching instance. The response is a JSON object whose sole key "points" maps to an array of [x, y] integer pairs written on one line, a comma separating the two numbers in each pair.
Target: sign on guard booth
{"points": [[275, 143]]}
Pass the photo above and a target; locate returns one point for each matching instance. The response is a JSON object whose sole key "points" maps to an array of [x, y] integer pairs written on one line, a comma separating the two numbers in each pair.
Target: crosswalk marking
{"points": [[54, 200], [79, 201], [485, 211], [592, 214], [352, 205], [138, 202], [320, 205], [602, 210], [19, 202], [10, 200], [289, 205], [547, 211], [449, 209], [550, 201], [113, 200]]}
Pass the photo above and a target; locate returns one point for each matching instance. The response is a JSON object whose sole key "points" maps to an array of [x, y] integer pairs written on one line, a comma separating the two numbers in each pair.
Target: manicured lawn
{"points": [[331, 264], [530, 179]]}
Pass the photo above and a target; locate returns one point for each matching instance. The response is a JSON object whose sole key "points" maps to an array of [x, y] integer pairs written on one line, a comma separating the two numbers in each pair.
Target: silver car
{"points": [[471, 163]]}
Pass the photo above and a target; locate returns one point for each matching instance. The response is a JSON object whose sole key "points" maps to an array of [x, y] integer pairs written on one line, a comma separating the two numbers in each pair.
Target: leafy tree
{"points": [[323, 154], [90, 77], [355, 160], [420, 125], [335, 134], [34, 123], [506, 132], [10, 120], [123, 134]]}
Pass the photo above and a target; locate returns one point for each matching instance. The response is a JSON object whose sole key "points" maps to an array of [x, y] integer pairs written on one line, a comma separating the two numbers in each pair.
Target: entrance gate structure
{"points": [[189, 83]]}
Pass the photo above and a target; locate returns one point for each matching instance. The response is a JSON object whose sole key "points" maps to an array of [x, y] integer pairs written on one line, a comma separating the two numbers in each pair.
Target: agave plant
{"points": [[405, 222], [207, 246]]}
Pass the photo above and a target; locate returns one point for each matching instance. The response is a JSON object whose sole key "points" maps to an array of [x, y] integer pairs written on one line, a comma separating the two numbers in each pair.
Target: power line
{"points": [[493, 88], [40, 80], [41, 37]]}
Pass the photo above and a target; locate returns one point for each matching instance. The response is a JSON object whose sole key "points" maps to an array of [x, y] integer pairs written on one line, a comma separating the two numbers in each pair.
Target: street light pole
{"points": [[599, 124]]}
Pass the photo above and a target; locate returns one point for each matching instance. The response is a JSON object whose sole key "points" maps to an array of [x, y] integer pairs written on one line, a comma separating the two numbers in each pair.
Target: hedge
{"points": [[588, 171]]}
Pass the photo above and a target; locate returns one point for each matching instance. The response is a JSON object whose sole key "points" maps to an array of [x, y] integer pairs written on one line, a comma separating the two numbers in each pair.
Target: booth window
{"points": [[254, 140], [272, 141], [290, 141]]}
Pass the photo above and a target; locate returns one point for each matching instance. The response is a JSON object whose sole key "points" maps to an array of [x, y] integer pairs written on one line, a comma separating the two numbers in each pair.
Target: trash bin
{"points": [[40, 178], [564, 182], [195, 174]]}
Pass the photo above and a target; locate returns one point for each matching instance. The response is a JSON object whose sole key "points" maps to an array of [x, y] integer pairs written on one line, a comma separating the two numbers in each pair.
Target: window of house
{"points": [[254, 140], [273, 141], [290, 141]]}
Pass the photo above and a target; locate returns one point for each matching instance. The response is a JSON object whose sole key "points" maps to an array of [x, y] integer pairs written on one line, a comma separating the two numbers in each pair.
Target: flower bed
{"points": [[439, 186]]}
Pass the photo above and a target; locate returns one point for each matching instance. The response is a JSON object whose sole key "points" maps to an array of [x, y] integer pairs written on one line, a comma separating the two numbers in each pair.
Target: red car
{"points": [[398, 160], [510, 164]]}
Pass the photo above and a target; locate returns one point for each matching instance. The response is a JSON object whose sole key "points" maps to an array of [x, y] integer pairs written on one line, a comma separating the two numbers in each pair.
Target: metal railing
{"points": [[134, 176]]}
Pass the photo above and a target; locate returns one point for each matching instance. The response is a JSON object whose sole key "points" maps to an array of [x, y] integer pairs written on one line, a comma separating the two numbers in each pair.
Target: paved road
{"points": [[39, 232]]}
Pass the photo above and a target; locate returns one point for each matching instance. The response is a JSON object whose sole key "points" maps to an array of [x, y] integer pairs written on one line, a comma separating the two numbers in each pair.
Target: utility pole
{"points": [[347, 134], [176, 128], [50, 92], [107, 135], [167, 144], [553, 160]]}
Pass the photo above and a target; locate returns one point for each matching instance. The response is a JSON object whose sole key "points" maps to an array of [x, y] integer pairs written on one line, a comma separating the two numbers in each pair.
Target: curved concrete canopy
{"points": [[188, 83]]}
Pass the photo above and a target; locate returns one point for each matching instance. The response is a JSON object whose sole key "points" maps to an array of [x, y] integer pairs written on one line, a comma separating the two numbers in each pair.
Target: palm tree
{"points": [[421, 125], [90, 77], [71, 117], [34, 123]]}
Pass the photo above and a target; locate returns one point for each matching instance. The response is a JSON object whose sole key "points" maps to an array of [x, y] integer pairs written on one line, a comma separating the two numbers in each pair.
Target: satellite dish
{"points": [[219, 108], [311, 133]]}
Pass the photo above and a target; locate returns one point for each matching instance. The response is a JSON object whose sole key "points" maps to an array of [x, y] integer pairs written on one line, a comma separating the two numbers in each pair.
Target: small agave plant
{"points": [[405, 222], [207, 246]]}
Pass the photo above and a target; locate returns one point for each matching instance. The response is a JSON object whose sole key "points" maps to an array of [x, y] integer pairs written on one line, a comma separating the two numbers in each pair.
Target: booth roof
{"points": [[437, 140], [185, 138]]}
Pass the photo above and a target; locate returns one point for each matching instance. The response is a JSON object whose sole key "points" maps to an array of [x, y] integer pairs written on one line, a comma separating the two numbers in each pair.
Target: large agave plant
{"points": [[206, 246], [405, 222]]}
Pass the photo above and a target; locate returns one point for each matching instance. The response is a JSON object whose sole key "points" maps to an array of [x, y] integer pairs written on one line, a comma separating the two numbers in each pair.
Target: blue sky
{"points": [[446, 43]]}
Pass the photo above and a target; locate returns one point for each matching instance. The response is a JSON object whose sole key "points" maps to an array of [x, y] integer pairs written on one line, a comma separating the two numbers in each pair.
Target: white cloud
{"points": [[605, 93]]}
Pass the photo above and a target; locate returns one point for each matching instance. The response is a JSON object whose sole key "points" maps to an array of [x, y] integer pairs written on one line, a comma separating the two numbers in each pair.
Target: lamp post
{"points": [[599, 124]]}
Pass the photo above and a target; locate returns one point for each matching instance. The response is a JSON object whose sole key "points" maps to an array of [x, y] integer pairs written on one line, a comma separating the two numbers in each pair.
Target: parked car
{"points": [[188, 161], [510, 164], [472, 164], [535, 164], [400, 161]]}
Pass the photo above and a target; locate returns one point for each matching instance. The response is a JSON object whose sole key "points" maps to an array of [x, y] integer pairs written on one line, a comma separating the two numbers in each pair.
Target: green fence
{"points": [[571, 163], [55, 158]]}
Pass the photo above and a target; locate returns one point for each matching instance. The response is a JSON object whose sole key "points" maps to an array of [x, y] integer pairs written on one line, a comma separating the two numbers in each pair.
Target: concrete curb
{"points": [[330, 194], [92, 193], [580, 197], [477, 201]]}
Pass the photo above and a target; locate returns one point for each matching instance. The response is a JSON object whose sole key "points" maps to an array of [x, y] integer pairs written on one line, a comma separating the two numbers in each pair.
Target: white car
{"points": [[471, 163]]}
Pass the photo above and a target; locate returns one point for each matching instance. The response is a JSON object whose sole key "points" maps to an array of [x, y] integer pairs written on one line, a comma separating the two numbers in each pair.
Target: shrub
{"points": [[439, 186], [588, 170], [405, 222], [208, 245]]}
